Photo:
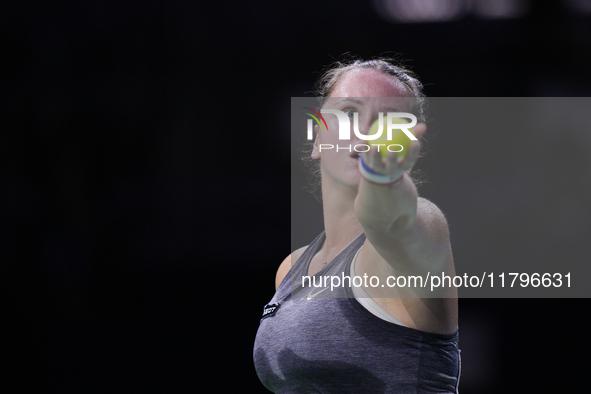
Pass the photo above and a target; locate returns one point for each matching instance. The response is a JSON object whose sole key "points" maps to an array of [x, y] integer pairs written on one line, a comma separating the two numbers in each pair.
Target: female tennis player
{"points": [[365, 337]]}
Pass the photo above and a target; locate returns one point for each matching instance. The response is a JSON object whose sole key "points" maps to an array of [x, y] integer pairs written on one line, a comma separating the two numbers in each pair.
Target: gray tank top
{"points": [[315, 344]]}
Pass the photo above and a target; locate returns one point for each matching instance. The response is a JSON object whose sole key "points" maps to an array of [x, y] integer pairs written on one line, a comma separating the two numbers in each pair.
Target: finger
{"points": [[392, 160], [394, 168], [376, 159], [412, 156], [368, 158], [414, 150], [419, 129]]}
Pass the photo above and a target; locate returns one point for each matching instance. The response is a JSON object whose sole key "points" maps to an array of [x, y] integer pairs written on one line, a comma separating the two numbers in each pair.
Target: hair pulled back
{"points": [[329, 80]]}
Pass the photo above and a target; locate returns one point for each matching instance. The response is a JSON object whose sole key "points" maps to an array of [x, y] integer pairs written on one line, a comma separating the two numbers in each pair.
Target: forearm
{"points": [[384, 208], [408, 232]]}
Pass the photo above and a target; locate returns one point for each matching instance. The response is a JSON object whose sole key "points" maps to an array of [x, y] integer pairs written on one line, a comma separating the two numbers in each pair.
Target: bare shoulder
{"points": [[286, 265], [433, 231], [430, 215]]}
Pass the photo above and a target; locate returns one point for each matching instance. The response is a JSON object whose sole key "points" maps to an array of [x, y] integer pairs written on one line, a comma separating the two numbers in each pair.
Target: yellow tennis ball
{"points": [[400, 142]]}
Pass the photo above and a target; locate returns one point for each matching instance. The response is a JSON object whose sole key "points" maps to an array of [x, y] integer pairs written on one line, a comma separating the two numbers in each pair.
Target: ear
{"points": [[316, 148]]}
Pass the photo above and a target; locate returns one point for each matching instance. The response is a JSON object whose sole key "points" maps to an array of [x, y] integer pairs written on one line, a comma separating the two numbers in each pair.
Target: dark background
{"points": [[145, 188]]}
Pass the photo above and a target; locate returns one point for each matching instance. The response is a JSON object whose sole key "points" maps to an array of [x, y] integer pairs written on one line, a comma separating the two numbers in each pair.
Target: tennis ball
{"points": [[399, 138]]}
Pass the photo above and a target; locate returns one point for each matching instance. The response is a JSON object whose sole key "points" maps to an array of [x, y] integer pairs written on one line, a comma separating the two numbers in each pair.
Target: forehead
{"points": [[368, 83]]}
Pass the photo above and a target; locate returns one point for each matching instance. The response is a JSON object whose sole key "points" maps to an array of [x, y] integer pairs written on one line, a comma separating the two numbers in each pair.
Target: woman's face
{"points": [[367, 92]]}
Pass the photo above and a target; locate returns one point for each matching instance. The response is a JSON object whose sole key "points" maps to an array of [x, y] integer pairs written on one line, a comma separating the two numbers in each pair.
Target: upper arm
{"points": [[282, 271], [286, 266]]}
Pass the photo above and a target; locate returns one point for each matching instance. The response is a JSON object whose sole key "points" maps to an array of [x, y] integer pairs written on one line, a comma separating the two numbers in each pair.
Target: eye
{"points": [[350, 112]]}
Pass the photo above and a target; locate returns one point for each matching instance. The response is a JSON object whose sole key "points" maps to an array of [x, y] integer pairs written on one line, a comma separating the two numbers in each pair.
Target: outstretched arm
{"points": [[408, 233]]}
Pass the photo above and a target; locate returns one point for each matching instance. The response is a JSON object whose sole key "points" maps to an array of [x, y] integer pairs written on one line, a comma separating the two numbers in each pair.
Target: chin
{"points": [[354, 180]]}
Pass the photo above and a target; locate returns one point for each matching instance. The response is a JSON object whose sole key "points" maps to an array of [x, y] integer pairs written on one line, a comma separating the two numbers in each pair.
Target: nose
{"points": [[362, 126], [371, 124]]}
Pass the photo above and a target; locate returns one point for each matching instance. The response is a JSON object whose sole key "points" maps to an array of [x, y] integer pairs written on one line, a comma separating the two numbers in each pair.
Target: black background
{"points": [[145, 190]]}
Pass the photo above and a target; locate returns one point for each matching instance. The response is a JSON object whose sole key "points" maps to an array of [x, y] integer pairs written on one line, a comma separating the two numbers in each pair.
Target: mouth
{"points": [[354, 155]]}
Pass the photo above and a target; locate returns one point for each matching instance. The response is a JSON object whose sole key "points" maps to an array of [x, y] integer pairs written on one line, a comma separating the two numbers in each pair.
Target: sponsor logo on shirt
{"points": [[270, 310]]}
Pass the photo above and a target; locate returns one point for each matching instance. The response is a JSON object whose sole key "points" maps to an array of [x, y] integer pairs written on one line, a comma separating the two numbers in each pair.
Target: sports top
{"points": [[322, 340]]}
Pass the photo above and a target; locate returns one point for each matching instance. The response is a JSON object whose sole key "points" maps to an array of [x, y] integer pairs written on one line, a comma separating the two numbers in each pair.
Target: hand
{"points": [[393, 165]]}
